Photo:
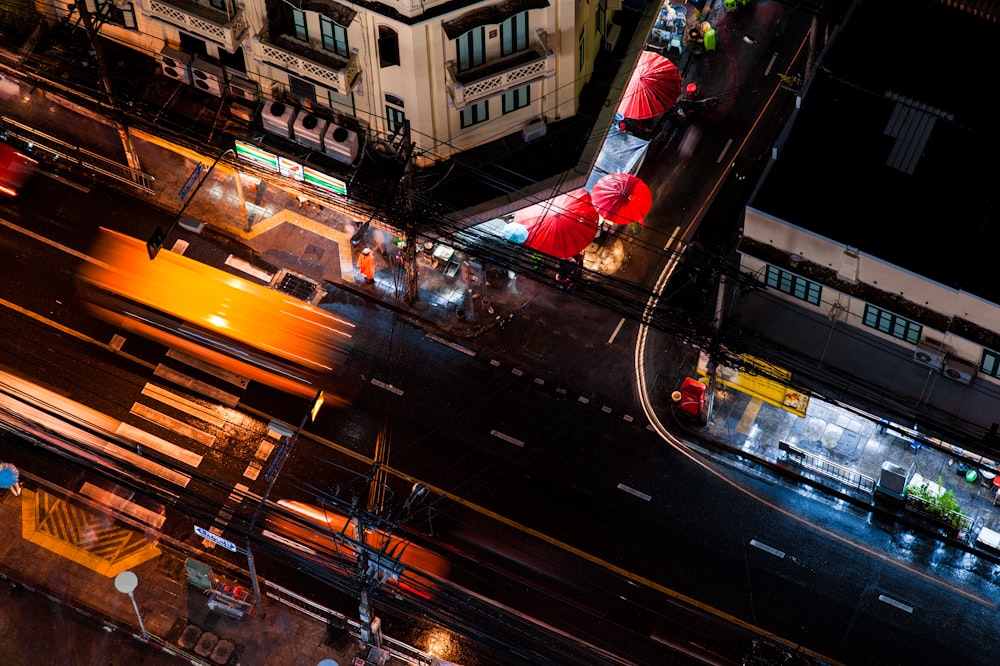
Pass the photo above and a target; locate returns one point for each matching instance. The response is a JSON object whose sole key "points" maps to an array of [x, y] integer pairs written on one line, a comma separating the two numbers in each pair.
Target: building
{"points": [[873, 231], [334, 76]]}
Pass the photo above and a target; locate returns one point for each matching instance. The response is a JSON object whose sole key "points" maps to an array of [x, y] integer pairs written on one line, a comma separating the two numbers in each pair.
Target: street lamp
{"points": [[158, 237], [272, 476], [125, 582]]}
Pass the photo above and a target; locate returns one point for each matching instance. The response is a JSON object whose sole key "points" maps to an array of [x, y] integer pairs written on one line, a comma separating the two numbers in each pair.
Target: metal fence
{"points": [[398, 651], [78, 157], [827, 468]]}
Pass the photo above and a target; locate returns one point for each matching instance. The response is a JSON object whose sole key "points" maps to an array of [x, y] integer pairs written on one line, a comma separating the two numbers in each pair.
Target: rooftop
{"points": [[893, 150]]}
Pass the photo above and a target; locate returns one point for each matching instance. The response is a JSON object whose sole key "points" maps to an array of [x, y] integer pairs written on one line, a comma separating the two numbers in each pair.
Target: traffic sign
{"points": [[190, 181], [215, 538]]}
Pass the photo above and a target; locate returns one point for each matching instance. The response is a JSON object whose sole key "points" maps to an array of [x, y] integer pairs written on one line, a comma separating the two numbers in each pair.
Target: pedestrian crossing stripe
{"points": [[89, 538]]}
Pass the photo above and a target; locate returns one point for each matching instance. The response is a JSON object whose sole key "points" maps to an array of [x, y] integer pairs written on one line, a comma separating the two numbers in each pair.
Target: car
{"points": [[16, 169]]}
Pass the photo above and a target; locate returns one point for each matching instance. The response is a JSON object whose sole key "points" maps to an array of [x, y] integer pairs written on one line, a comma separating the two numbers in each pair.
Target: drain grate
{"points": [[297, 287]]}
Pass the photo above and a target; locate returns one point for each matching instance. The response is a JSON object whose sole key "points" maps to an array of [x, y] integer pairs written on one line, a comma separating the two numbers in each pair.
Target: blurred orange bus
{"points": [[220, 318], [421, 570]]}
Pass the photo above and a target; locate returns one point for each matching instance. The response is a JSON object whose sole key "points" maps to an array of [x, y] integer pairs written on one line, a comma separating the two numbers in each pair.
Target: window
{"points": [[334, 37], [471, 49], [514, 34], [581, 55], [475, 113], [123, 16], [897, 327], [388, 46], [394, 115], [601, 17], [990, 363], [517, 98], [218, 4], [793, 285], [299, 21]]}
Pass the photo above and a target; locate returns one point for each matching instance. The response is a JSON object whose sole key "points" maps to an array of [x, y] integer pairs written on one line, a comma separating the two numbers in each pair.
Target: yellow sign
{"points": [[761, 380]]}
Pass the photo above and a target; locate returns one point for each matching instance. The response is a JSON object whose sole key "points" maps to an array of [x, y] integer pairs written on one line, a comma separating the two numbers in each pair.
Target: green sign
{"points": [[335, 185], [254, 154]]}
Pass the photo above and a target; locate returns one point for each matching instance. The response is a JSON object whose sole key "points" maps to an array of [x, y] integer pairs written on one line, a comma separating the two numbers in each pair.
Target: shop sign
{"points": [[335, 185], [254, 154]]}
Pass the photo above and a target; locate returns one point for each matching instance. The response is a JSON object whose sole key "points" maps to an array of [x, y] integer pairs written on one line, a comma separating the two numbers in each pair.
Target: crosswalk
{"points": [[191, 401]]}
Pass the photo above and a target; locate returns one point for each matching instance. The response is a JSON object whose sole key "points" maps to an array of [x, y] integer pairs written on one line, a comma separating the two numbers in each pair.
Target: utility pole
{"points": [[105, 74], [412, 293]]}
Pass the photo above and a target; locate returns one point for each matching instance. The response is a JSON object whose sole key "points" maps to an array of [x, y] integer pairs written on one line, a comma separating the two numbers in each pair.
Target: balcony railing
{"points": [[476, 84], [327, 70], [212, 24]]}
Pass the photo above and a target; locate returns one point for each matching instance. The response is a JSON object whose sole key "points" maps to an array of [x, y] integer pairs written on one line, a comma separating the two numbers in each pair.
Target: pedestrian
{"points": [[366, 265]]}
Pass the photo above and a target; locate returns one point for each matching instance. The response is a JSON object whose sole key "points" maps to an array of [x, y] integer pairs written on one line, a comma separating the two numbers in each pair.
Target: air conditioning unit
{"points": [[277, 118], [244, 88], [341, 144], [207, 77], [535, 130], [176, 64], [959, 370], [930, 353], [308, 130]]}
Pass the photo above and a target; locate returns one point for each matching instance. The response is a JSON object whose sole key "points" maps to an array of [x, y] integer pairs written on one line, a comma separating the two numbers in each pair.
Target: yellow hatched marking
{"points": [[89, 538]]}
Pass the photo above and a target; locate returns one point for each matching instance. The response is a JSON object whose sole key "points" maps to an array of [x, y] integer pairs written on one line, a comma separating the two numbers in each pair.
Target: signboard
{"points": [[190, 181], [254, 154], [760, 379], [289, 169], [335, 185], [215, 538]]}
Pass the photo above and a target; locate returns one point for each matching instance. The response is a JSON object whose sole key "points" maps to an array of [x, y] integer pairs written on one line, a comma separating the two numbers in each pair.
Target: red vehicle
{"points": [[15, 170]]}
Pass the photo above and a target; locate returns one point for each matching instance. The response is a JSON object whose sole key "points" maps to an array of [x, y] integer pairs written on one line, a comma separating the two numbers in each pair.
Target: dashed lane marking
{"points": [[767, 549], [387, 387], [618, 328], [448, 343], [632, 491], [898, 604], [506, 438]]}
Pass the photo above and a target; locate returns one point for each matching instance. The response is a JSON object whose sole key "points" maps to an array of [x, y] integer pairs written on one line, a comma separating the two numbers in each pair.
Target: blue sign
{"points": [[190, 181], [215, 538]]}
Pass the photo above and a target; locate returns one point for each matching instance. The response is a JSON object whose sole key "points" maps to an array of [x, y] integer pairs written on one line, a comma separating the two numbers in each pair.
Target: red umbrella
{"points": [[654, 87], [561, 227], [621, 198]]}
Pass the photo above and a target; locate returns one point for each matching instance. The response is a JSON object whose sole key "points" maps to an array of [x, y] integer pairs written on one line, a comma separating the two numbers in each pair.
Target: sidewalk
{"points": [[38, 533]]}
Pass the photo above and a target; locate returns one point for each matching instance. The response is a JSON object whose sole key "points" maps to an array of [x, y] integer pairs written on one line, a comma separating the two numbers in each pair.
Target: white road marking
{"points": [[387, 387], [456, 347], [621, 322], [172, 424], [767, 72], [196, 410], [506, 438], [892, 602], [119, 503], [168, 449], [725, 149], [632, 491], [767, 549]]}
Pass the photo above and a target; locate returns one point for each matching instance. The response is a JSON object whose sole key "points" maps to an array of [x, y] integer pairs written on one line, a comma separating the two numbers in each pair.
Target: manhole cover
{"points": [[297, 287]]}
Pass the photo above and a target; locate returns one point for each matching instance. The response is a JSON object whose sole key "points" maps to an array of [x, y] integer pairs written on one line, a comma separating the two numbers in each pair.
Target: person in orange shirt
{"points": [[366, 265]]}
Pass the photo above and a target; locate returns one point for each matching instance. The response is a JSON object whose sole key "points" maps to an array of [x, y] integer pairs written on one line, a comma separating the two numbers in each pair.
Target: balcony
{"points": [[324, 69], [201, 21], [476, 84]]}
